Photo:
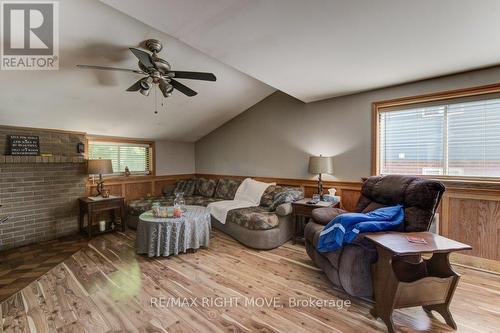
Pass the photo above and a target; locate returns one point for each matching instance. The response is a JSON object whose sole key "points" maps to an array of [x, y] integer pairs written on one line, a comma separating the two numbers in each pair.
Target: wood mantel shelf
{"points": [[8, 159]]}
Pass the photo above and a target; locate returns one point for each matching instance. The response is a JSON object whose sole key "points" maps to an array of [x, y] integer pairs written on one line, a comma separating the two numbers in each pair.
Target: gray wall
{"points": [[173, 158], [275, 137]]}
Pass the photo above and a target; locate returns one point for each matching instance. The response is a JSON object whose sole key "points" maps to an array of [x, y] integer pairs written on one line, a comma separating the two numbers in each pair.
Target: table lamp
{"points": [[319, 165], [100, 167]]}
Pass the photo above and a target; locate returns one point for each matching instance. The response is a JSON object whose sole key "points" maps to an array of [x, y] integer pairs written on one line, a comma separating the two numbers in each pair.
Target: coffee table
{"points": [[157, 236]]}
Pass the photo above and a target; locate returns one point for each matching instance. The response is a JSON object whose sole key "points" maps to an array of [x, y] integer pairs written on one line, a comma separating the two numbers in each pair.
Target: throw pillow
{"points": [[179, 187], [205, 187], [286, 196], [186, 186], [168, 190], [268, 196], [226, 188]]}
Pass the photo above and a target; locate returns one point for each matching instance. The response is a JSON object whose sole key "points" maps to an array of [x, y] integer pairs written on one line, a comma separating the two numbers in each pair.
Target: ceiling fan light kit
{"points": [[158, 72]]}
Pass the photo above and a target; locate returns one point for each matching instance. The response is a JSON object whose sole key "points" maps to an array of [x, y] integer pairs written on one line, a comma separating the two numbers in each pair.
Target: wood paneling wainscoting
{"points": [[132, 188], [472, 216], [469, 212]]}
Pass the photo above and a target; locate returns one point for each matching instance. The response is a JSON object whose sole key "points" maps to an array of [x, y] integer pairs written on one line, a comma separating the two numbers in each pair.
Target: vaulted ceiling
{"points": [[96, 101], [315, 49], [311, 50]]}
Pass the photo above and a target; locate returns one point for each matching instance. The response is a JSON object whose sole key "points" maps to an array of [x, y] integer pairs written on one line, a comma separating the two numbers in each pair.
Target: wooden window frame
{"points": [[377, 108], [151, 145]]}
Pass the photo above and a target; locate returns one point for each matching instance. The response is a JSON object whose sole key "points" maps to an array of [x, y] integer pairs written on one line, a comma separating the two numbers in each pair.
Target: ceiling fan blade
{"points": [[182, 88], [111, 68], [194, 75], [143, 57], [136, 86]]}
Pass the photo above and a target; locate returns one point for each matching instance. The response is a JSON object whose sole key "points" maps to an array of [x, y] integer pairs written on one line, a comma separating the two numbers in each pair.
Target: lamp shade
{"points": [[321, 164], [99, 167]]}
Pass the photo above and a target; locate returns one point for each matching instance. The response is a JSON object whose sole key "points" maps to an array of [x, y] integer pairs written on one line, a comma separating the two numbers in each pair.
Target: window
{"points": [[457, 137], [136, 156]]}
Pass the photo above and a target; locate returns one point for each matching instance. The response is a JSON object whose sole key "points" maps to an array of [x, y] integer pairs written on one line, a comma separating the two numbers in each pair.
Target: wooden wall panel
{"points": [[138, 190], [349, 198], [476, 222], [115, 189], [160, 184], [136, 187]]}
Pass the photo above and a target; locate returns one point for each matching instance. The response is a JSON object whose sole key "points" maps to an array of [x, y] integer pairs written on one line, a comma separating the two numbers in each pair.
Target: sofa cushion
{"points": [[373, 206], [199, 200], [253, 218], [185, 186], [205, 187], [226, 188], [139, 206], [323, 216]]}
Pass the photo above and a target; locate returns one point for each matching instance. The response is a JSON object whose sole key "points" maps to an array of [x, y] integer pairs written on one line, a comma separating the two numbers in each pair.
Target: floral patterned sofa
{"points": [[263, 227]]}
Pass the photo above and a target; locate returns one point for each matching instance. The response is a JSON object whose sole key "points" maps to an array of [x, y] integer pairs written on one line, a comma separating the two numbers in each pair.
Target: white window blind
{"points": [[452, 139], [134, 156]]}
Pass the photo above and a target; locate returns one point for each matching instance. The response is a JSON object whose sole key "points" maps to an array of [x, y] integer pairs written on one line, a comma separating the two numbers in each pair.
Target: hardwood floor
{"points": [[105, 287], [21, 266]]}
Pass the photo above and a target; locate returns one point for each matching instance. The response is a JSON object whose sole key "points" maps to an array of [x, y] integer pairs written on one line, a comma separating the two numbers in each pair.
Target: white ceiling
{"points": [[315, 49], [310, 49], [96, 101]]}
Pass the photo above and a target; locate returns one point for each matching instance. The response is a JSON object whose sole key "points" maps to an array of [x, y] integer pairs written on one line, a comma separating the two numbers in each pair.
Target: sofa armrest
{"points": [[284, 209], [325, 215]]}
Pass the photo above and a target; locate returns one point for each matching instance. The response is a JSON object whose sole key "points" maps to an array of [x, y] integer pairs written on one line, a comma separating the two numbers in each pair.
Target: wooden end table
{"points": [[92, 207], [301, 209], [433, 291]]}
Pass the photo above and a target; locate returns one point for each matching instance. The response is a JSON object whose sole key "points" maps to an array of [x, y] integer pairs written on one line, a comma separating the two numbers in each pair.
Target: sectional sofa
{"points": [[266, 226]]}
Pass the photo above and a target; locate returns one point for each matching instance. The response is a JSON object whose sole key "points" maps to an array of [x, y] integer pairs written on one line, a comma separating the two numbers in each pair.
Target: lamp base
{"points": [[100, 186], [320, 187]]}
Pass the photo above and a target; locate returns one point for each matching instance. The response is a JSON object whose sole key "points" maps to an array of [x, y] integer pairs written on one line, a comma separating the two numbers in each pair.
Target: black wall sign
{"points": [[26, 145]]}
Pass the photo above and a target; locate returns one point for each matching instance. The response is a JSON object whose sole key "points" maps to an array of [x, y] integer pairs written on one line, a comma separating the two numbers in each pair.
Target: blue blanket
{"points": [[345, 227]]}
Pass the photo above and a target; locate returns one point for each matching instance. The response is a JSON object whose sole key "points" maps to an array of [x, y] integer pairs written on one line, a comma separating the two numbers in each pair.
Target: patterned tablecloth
{"points": [[158, 236]]}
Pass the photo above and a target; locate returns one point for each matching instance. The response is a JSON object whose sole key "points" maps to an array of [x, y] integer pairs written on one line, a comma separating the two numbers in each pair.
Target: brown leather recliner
{"points": [[349, 268]]}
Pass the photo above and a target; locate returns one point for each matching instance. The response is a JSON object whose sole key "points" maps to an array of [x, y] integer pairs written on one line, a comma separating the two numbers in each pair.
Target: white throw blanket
{"points": [[248, 194]]}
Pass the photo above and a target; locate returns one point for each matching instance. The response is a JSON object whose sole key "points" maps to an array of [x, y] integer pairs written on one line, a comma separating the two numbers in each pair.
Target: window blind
{"points": [[458, 138], [134, 156]]}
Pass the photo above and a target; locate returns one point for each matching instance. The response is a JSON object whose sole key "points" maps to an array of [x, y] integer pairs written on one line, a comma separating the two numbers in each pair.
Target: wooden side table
{"points": [[91, 207], [434, 279], [301, 209]]}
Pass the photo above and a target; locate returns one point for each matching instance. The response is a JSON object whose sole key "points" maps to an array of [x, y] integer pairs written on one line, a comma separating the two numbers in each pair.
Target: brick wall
{"points": [[54, 142], [40, 199]]}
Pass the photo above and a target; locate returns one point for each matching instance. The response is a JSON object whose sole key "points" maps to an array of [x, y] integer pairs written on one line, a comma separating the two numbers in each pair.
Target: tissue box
{"points": [[331, 198]]}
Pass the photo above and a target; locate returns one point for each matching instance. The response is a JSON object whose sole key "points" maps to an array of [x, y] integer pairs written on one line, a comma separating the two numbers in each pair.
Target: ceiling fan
{"points": [[157, 71]]}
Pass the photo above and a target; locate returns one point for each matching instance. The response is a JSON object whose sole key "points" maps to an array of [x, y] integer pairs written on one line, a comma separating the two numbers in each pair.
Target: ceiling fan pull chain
{"points": [[156, 102]]}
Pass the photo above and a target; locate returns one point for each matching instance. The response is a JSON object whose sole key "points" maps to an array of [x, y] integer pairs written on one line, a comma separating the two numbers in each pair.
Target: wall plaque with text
{"points": [[24, 145]]}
